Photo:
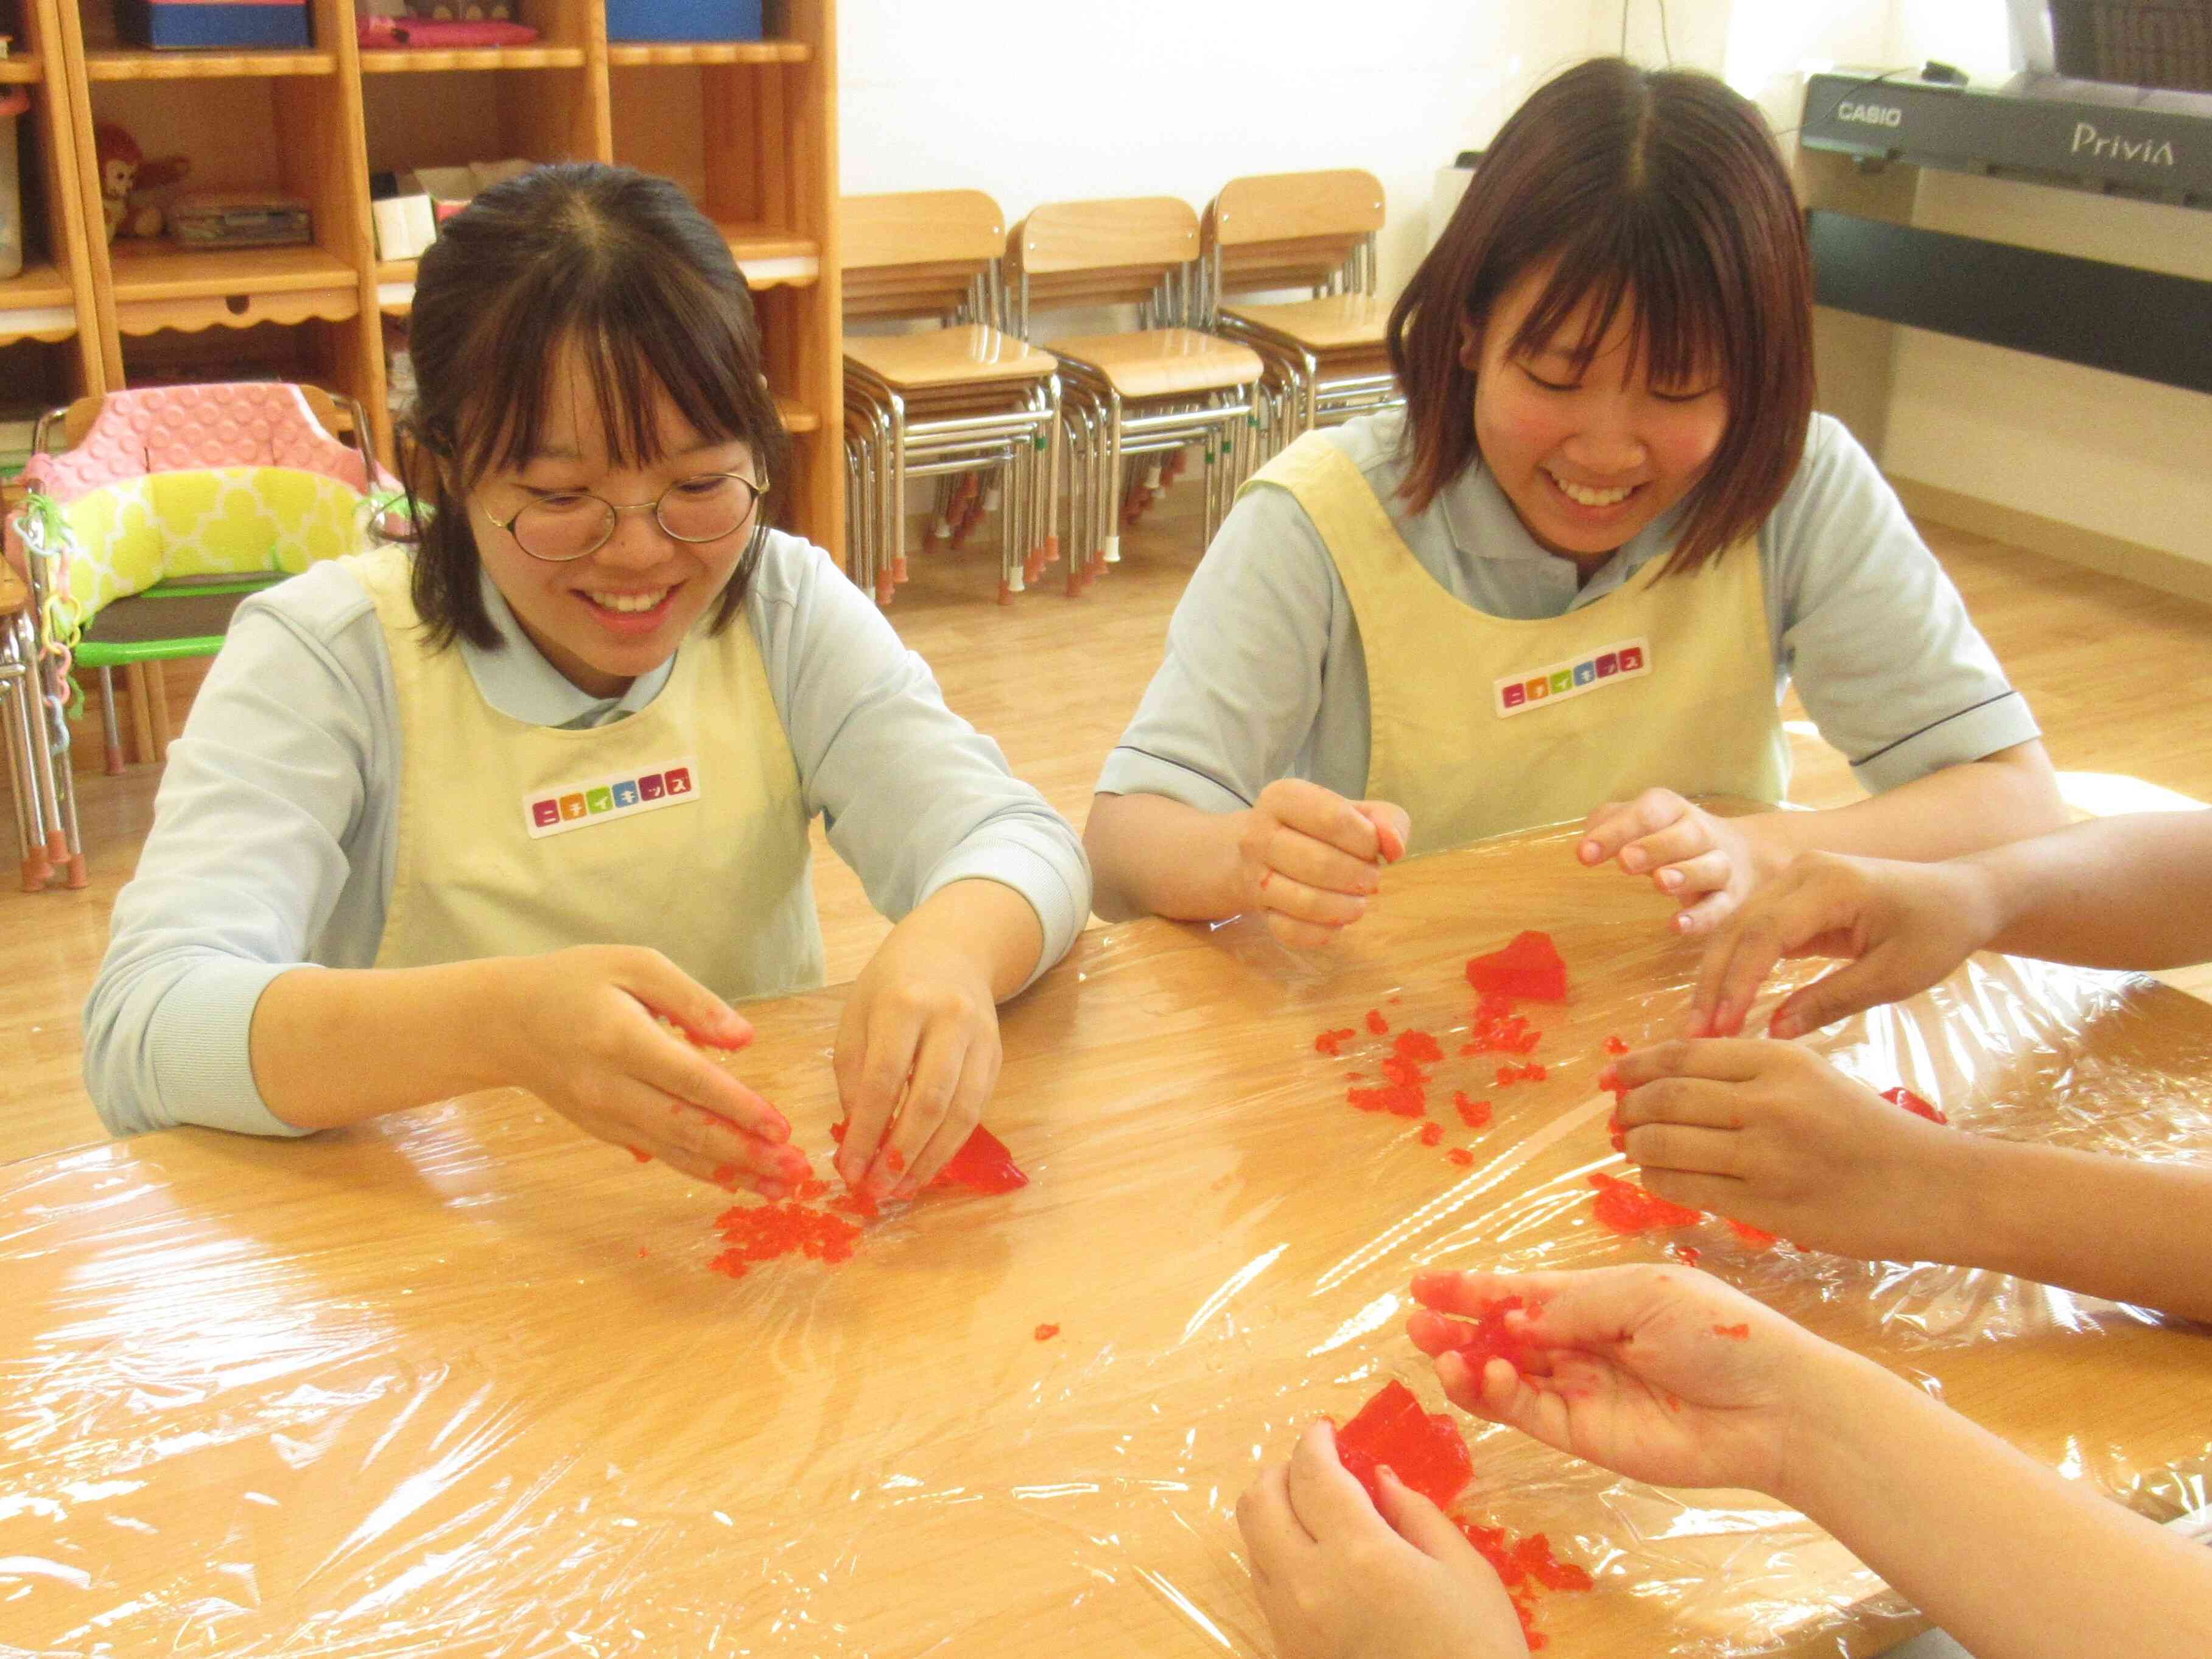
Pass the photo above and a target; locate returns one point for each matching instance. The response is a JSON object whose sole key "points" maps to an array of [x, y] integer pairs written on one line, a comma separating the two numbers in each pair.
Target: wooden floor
{"points": [[2116, 673]]}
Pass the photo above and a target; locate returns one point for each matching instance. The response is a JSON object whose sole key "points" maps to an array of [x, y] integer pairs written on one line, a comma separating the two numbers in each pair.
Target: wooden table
{"points": [[464, 1380]]}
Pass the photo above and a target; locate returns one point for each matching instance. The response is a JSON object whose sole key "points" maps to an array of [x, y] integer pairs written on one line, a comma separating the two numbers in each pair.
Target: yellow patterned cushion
{"points": [[226, 520]]}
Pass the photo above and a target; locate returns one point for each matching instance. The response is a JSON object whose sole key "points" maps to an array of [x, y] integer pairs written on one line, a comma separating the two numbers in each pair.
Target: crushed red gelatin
{"points": [[982, 1164], [1913, 1103], [1758, 1238], [1424, 1449], [761, 1232], [1528, 967], [1735, 1333], [1687, 1255], [1376, 1022], [1527, 1568], [1614, 1045], [896, 1159], [1460, 1155], [1615, 1130], [813, 1187], [1331, 1042], [1509, 1075], [1046, 1333], [1398, 1099], [1431, 1133], [1404, 1073], [638, 1153], [1417, 1046], [1475, 1114], [837, 1132], [1628, 1208], [1486, 1336]]}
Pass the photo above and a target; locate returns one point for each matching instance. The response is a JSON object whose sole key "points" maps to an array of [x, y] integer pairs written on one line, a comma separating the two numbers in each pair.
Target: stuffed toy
{"points": [[125, 171]]}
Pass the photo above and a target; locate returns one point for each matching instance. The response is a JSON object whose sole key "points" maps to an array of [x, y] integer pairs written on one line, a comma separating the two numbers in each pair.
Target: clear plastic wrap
{"points": [[464, 1383]]}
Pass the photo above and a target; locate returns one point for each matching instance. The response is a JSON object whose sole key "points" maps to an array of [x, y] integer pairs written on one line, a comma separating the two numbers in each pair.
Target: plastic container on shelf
{"points": [[684, 19], [14, 103], [188, 23]]}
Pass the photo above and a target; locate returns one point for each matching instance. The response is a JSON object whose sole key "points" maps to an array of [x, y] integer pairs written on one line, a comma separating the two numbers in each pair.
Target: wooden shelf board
{"points": [[633, 54], [758, 242], [26, 68], [797, 418], [39, 286], [126, 63], [405, 61], [161, 270]]}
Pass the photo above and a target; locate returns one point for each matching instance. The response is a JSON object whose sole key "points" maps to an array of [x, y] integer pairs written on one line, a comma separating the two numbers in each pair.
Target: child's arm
{"points": [[1339, 1578], [1665, 1375], [2123, 893], [1711, 865], [1302, 856], [1769, 1133]]}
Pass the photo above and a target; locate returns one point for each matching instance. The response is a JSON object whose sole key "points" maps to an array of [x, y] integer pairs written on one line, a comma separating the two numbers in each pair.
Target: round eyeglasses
{"points": [[574, 523]]}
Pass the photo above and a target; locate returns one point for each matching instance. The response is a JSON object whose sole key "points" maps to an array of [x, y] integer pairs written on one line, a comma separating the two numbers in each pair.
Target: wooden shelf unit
{"points": [[759, 153], [49, 346]]}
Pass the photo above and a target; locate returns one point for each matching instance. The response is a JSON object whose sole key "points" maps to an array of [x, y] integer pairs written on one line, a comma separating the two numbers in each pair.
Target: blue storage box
{"points": [[684, 19], [214, 22]]}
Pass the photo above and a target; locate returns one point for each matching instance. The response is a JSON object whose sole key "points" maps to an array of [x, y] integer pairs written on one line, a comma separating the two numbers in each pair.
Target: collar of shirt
{"points": [[1482, 524], [516, 679]]}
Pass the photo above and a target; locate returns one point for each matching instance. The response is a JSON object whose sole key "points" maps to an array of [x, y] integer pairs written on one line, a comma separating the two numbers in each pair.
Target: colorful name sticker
{"points": [[563, 807], [1539, 688]]}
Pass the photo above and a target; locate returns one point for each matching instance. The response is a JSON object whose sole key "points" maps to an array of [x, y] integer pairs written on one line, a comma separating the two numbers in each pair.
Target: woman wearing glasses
{"points": [[486, 810]]}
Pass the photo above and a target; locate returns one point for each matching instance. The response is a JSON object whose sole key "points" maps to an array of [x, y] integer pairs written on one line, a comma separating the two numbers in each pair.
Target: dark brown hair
{"points": [[616, 265], [1655, 190]]}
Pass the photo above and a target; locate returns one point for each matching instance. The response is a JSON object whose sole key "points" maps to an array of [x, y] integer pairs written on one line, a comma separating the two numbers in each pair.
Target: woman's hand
{"points": [[1769, 1133], [1338, 1578], [1706, 864], [578, 1028], [1309, 860], [1664, 1374], [1903, 927]]}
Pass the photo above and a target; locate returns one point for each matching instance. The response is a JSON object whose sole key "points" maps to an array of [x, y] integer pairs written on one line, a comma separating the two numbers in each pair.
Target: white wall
{"points": [[1041, 101]]}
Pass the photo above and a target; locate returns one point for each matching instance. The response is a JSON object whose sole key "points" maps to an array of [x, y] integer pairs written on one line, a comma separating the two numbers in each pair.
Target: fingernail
{"points": [[770, 1188], [1670, 879], [1609, 1078], [1632, 859], [778, 1129], [795, 1164], [1783, 1026], [1682, 923]]}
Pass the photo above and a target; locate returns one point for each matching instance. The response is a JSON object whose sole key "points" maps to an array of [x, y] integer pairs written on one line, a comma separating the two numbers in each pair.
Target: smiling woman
{"points": [[538, 789], [1412, 631]]}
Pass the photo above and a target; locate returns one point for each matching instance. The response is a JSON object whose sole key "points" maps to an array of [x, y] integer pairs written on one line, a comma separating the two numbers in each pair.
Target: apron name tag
{"points": [[1592, 671], [563, 807]]}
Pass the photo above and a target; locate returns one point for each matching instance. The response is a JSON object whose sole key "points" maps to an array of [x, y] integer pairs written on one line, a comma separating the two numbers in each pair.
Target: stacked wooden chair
{"points": [[958, 400], [1159, 390], [1326, 356]]}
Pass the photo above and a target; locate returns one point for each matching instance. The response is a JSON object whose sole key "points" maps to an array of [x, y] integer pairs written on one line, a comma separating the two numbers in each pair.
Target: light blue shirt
{"points": [[275, 831], [1265, 676]]}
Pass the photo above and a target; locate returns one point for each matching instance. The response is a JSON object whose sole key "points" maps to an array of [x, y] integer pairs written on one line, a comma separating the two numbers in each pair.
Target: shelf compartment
{"points": [[159, 287], [679, 53], [123, 63], [411, 62], [37, 305]]}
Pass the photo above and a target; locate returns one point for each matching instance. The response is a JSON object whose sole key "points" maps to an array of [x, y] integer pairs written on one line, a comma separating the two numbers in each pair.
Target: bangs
{"points": [[1680, 330], [632, 342]]}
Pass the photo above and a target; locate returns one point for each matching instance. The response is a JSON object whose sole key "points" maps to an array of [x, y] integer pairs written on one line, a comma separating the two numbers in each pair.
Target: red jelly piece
{"points": [[1331, 1042], [726, 1177], [1475, 1114], [982, 1164], [1614, 1045], [896, 1159], [1735, 1333], [640, 1154], [1417, 1045], [762, 1232], [1628, 1208], [1403, 1072], [1424, 1449], [1758, 1238], [1528, 967], [1046, 1333], [1460, 1155], [1431, 1133], [1506, 1077], [1913, 1103], [1486, 1336], [1533, 1555], [837, 1132], [1376, 1022], [1688, 1254]]}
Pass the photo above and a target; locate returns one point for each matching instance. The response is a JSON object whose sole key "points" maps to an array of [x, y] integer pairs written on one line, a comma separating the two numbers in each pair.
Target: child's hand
{"points": [[917, 1057], [1664, 1374], [582, 1035], [1338, 1580], [1707, 865], [1903, 926], [1769, 1133], [1309, 860]]}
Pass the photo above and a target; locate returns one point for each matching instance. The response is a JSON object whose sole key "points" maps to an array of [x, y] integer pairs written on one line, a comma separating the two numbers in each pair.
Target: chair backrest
{"points": [[918, 253], [1281, 230], [1124, 251], [127, 434]]}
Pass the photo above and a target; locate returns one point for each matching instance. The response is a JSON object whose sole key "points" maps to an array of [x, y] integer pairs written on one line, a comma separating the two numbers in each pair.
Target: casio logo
{"points": [[1871, 115], [2117, 148]]}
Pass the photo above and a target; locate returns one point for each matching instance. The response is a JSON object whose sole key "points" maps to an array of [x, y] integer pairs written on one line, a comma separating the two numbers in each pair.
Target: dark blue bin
{"points": [[684, 19], [230, 23]]}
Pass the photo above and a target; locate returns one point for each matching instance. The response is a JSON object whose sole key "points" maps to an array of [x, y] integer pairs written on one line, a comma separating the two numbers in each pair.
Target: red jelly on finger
{"points": [[1486, 1336], [1423, 1449], [1628, 1208], [1913, 1103]]}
